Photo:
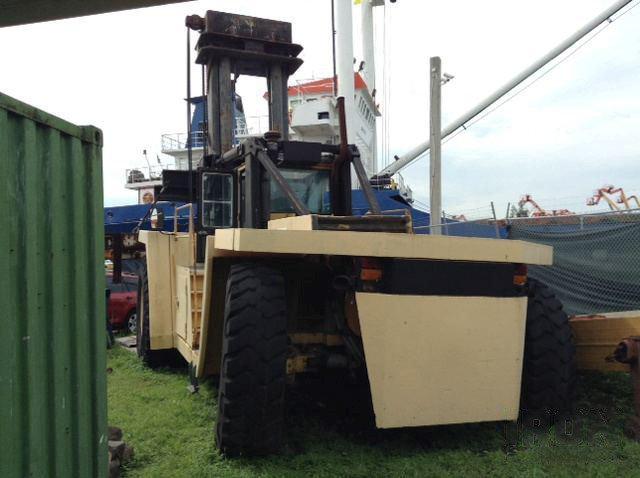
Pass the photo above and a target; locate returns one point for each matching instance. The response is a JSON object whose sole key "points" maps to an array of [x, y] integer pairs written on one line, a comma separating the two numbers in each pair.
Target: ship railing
{"points": [[179, 141], [146, 173]]}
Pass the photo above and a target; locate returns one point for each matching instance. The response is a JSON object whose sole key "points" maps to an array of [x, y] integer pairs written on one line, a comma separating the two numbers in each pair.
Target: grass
{"points": [[329, 433]]}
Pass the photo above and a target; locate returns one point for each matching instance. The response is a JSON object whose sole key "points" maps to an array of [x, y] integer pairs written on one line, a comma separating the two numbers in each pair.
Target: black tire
{"points": [[549, 372], [151, 358], [253, 367]]}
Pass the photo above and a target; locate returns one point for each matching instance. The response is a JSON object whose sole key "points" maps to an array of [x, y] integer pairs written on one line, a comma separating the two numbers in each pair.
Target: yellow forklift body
{"points": [[435, 360], [381, 244], [431, 359]]}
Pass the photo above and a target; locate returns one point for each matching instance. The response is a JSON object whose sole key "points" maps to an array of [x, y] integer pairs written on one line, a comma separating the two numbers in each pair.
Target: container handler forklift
{"points": [[275, 277]]}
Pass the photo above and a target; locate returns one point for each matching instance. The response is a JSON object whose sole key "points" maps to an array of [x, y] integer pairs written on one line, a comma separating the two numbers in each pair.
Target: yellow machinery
{"points": [[275, 277], [597, 336]]}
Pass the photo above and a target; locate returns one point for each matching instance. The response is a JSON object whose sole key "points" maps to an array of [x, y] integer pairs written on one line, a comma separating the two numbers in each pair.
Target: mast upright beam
{"points": [[256, 47]]}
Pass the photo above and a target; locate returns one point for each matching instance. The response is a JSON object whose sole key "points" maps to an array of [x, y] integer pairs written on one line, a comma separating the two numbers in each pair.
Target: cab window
{"points": [[217, 200], [310, 185]]}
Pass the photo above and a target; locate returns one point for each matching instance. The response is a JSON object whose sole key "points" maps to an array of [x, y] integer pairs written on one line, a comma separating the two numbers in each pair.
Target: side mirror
{"points": [[157, 219]]}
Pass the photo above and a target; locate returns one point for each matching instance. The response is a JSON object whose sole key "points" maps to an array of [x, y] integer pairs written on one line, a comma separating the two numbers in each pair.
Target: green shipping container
{"points": [[52, 300]]}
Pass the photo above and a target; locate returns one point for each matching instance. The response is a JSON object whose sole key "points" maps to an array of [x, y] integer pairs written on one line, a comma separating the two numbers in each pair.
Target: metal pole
{"points": [[205, 126], [422, 148], [189, 145], [333, 48], [506, 216], [435, 181]]}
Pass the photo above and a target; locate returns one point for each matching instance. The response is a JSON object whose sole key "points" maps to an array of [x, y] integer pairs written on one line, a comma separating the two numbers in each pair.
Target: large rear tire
{"points": [[549, 372], [253, 367]]}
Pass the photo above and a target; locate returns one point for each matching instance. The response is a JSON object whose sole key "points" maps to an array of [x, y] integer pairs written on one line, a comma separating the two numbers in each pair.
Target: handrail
{"points": [[190, 233], [175, 217]]}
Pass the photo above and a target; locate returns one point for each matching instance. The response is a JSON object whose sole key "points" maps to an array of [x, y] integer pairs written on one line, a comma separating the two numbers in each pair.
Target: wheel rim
{"points": [[133, 319]]}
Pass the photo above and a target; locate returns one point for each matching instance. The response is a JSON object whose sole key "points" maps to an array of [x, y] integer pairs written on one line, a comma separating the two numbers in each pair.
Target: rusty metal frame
{"points": [[231, 44]]}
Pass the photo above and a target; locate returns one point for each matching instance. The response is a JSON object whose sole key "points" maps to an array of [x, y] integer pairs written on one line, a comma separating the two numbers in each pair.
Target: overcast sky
{"points": [[569, 133]]}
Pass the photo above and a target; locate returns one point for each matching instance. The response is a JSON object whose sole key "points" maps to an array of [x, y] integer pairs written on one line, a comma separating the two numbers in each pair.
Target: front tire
{"points": [[549, 372], [253, 367]]}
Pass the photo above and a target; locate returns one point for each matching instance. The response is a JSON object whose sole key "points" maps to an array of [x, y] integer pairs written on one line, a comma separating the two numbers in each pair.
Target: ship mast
{"points": [[344, 63], [368, 57], [344, 60]]}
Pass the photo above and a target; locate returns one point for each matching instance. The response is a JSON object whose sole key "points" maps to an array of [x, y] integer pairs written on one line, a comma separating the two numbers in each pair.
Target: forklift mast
{"points": [[261, 177], [233, 45]]}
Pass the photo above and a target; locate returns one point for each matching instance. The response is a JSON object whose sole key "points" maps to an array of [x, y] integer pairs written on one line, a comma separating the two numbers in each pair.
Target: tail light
{"points": [[520, 274], [370, 270]]}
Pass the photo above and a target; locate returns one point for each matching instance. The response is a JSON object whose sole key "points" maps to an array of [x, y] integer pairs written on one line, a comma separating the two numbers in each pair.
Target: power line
{"points": [[543, 74]]}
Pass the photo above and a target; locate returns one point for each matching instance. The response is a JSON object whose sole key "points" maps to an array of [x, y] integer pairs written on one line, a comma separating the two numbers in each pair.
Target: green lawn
{"points": [[172, 434]]}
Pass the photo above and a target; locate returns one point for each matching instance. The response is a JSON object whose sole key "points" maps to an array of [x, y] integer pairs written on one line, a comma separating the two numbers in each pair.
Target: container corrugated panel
{"points": [[52, 327]]}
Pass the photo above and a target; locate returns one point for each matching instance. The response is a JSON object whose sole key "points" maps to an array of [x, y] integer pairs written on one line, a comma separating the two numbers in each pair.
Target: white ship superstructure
{"points": [[314, 116]]}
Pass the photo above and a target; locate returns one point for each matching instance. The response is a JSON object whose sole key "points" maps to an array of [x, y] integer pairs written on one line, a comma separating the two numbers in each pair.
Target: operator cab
{"points": [[223, 193], [237, 190], [263, 179]]}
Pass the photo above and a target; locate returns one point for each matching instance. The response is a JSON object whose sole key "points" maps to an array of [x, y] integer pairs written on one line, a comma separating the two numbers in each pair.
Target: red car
{"points": [[123, 302]]}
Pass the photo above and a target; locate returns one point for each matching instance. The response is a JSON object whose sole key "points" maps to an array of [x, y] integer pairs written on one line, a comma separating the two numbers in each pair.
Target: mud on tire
{"points": [[549, 373], [253, 367]]}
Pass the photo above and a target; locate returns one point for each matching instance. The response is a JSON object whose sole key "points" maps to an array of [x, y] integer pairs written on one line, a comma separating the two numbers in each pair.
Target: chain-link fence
{"points": [[596, 259]]}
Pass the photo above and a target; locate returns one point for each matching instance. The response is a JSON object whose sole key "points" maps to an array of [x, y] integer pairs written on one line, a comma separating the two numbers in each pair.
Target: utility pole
{"points": [[435, 179]]}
